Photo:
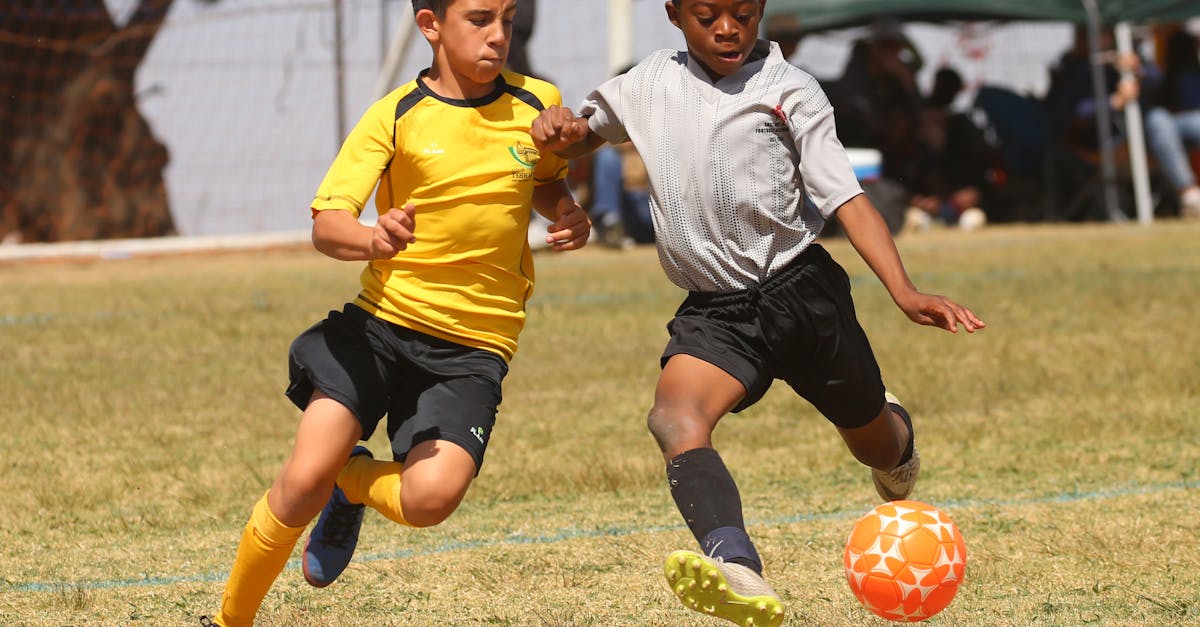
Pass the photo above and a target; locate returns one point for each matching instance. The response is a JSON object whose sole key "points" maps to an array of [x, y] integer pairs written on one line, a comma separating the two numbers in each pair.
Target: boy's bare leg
{"points": [[886, 444], [691, 397], [436, 476], [325, 436], [327, 433], [726, 581], [421, 492]]}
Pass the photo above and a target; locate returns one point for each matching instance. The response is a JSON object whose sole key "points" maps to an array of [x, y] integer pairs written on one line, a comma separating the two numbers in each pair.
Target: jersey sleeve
{"points": [[362, 159], [829, 179], [602, 107]]}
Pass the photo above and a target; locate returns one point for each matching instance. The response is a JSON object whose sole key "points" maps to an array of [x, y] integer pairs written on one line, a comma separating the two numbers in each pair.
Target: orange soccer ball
{"points": [[904, 560]]}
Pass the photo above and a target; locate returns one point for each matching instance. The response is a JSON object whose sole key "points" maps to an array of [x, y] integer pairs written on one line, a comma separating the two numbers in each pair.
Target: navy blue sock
{"points": [[908, 450], [732, 544], [708, 498]]}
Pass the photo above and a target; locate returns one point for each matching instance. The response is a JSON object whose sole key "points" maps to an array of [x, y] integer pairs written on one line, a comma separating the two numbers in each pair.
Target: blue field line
{"points": [[610, 532]]}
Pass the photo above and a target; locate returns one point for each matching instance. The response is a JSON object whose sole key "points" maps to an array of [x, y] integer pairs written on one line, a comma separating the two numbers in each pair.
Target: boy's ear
{"points": [[673, 13], [428, 23]]}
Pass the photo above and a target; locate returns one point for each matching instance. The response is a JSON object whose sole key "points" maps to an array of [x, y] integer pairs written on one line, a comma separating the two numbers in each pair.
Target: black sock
{"points": [[908, 450], [708, 498]]}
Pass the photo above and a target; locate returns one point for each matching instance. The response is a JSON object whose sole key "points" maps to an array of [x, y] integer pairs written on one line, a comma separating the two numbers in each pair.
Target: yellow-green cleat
{"points": [[723, 589]]}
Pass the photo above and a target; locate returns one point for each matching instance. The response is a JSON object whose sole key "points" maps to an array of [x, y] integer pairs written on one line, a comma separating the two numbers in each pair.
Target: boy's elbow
{"points": [[323, 235]]}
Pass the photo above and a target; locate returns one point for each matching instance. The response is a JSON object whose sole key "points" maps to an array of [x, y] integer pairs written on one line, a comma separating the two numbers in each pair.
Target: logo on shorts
{"points": [[478, 433]]}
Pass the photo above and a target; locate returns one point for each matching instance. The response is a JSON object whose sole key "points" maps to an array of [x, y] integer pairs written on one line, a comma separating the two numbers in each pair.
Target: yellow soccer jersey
{"points": [[469, 167]]}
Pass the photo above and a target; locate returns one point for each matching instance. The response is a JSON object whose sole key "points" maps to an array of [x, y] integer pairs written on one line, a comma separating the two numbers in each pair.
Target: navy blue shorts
{"points": [[429, 388], [799, 326]]}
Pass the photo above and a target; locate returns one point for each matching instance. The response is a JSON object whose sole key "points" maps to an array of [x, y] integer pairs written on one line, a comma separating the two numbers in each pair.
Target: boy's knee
{"points": [[659, 422], [881, 442], [429, 509], [300, 495], [674, 429]]}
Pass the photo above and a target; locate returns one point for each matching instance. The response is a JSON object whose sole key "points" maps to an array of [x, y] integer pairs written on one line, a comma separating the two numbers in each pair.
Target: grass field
{"points": [[143, 415]]}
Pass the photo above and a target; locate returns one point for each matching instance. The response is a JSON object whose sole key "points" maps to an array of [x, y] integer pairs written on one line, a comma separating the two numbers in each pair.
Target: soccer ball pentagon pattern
{"points": [[905, 560]]}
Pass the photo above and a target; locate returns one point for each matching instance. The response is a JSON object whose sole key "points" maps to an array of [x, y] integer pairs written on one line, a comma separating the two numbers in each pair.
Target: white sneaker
{"points": [[723, 589], [897, 483], [972, 218], [916, 220], [1189, 204]]}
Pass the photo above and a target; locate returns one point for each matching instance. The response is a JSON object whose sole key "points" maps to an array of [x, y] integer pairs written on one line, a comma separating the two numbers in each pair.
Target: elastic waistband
{"points": [[812, 254]]}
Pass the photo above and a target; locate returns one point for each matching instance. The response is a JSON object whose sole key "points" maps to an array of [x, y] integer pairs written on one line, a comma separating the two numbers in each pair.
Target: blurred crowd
{"points": [[1000, 156], [1005, 156]]}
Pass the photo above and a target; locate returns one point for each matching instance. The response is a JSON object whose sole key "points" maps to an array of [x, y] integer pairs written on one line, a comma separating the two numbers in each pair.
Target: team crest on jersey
{"points": [[778, 124], [527, 156], [523, 154]]}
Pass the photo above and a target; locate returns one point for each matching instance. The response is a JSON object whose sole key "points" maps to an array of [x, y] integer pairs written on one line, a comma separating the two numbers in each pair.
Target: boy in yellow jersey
{"points": [[428, 339]]}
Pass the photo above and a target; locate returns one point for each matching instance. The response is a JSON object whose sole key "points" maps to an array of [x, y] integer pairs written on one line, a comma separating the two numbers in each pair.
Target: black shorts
{"points": [[798, 326], [430, 388]]}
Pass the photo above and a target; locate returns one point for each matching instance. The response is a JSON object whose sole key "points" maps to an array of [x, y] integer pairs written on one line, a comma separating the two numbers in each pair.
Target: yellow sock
{"points": [[266, 546], [374, 483]]}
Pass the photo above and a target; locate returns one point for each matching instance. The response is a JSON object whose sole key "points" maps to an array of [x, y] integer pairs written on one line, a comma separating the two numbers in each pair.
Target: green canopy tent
{"points": [[815, 15], [818, 15]]}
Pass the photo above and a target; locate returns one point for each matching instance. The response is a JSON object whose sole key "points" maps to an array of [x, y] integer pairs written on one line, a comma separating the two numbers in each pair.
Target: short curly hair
{"points": [[437, 6]]}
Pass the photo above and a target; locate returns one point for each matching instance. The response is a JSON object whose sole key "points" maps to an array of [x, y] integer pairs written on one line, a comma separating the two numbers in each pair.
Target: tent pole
{"points": [[620, 35], [397, 54], [1108, 165], [1137, 138], [339, 70]]}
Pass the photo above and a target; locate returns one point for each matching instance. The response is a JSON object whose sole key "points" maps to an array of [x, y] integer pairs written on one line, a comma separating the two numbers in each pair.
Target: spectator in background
{"points": [[618, 194], [1070, 100], [1173, 119], [620, 197], [953, 159], [784, 29], [877, 99], [1072, 112], [522, 32]]}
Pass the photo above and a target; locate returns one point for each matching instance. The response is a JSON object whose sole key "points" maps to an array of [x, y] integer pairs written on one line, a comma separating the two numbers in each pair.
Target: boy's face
{"points": [[720, 34], [474, 37]]}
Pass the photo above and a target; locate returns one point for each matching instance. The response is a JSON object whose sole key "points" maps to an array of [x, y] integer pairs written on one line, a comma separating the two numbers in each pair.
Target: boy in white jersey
{"points": [[745, 168]]}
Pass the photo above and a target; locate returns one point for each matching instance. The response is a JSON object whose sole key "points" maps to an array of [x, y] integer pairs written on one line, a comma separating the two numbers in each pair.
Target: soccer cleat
{"points": [[896, 484], [331, 543], [723, 589]]}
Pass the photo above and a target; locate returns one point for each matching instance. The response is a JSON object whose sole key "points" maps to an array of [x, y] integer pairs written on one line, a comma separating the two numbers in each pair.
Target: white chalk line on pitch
{"points": [[576, 534]]}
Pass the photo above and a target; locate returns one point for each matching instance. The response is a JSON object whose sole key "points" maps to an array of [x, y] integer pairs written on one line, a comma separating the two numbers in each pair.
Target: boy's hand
{"points": [[556, 129], [393, 232], [939, 311], [572, 228]]}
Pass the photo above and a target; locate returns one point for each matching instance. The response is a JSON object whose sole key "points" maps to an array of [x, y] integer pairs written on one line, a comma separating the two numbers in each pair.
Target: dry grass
{"points": [[144, 414]]}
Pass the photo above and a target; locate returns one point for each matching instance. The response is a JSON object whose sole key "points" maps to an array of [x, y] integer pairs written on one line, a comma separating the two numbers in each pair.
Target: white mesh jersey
{"points": [[730, 163]]}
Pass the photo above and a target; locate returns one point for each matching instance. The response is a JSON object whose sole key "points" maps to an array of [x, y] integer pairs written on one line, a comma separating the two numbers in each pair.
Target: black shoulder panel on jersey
{"points": [[408, 102], [525, 96]]}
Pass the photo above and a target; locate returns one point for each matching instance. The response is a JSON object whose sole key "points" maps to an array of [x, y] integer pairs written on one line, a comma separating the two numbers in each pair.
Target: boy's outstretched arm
{"points": [[869, 235], [558, 130], [570, 226]]}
